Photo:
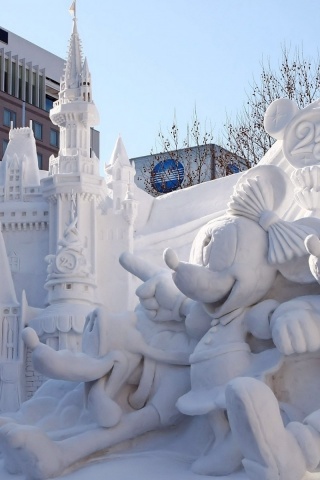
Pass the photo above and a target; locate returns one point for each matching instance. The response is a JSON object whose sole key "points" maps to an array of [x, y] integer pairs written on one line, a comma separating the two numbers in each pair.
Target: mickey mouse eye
{"points": [[206, 241], [206, 251], [220, 253]]}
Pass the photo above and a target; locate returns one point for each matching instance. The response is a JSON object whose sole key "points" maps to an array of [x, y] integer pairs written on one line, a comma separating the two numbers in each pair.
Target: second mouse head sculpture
{"points": [[235, 258]]}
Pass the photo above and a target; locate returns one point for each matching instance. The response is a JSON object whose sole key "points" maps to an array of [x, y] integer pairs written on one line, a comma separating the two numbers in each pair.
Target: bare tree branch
{"points": [[296, 78]]}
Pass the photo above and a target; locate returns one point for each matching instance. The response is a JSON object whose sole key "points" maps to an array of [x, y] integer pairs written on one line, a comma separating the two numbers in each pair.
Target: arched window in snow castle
{"points": [[86, 168], [14, 262], [9, 342]]}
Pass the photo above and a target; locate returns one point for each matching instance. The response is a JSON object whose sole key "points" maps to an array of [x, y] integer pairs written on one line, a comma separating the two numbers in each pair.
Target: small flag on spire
{"points": [[72, 9]]}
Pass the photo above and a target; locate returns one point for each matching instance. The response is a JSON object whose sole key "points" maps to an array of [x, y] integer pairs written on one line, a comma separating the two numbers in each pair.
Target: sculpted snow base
{"points": [[231, 337], [225, 336]]}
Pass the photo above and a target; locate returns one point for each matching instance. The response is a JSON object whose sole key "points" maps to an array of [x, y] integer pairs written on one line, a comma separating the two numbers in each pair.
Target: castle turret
{"points": [[120, 174], [19, 172], [75, 172], [24, 213], [75, 112], [120, 222], [85, 82], [71, 287]]}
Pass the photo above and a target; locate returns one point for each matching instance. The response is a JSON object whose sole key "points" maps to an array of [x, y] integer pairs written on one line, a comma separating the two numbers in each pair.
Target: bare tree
{"points": [[179, 164], [296, 78], [244, 139]]}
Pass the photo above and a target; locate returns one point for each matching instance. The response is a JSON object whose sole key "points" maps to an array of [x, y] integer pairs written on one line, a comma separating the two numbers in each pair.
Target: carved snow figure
{"points": [[273, 446], [131, 387], [271, 449], [236, 273], [209, 304]]}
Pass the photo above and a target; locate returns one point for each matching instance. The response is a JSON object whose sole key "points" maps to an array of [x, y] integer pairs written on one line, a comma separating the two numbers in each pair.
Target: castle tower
{"points": [[24, 214], [75, 112], [121, 175], [121, 216], [75, 172], [19, 167], [71, 287]]}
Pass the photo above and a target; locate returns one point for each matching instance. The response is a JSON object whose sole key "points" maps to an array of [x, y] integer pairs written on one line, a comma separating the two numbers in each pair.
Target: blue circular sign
{"points": [[167, 175], [231, 168]]}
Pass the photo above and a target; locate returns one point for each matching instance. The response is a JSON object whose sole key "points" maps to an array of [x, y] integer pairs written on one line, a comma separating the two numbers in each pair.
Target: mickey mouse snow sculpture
{"points": [[215, 339]]}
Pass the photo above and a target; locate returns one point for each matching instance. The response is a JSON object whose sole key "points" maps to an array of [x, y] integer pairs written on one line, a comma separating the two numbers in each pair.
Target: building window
{"points": [[8, 117], [37, 130], [39, 155], [4, 145], [54, 137], [20, 82], [3, 36], [6, 67], [27, 85], [49, 102], [33, 89]]}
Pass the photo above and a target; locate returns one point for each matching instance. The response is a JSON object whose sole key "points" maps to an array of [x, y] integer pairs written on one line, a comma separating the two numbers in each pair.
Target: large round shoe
{"points": [[270, 451]]}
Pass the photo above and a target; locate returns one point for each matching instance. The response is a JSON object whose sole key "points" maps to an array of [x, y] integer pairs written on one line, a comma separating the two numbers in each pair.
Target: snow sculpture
{"points": [[231, 337], [131, 387], [235, 275], [227, 309]]}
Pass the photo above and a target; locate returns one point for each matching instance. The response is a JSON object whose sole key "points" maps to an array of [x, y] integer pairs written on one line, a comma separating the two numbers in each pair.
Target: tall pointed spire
{"points": [[85, 73], [72, 72], [119, 153], [75, 112]]}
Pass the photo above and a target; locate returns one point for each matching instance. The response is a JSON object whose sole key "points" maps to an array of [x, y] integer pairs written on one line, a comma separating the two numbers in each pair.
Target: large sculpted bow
{"points": [[260, 195]]}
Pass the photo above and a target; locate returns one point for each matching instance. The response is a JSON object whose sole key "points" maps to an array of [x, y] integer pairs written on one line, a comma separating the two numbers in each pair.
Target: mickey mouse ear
{"points": [[278, 115], [262, 188], [297, 128]]}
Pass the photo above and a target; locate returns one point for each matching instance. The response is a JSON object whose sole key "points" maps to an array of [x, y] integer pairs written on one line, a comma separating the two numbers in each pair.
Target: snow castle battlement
{"points": [[20, 132]]}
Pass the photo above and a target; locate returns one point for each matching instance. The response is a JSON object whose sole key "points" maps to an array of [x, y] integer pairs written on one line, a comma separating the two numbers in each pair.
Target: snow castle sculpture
{"points": [[224, 348], [67, 216]]}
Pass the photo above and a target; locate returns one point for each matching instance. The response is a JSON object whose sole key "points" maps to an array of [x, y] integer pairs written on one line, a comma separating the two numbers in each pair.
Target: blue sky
{"points": [[151, 58]]}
